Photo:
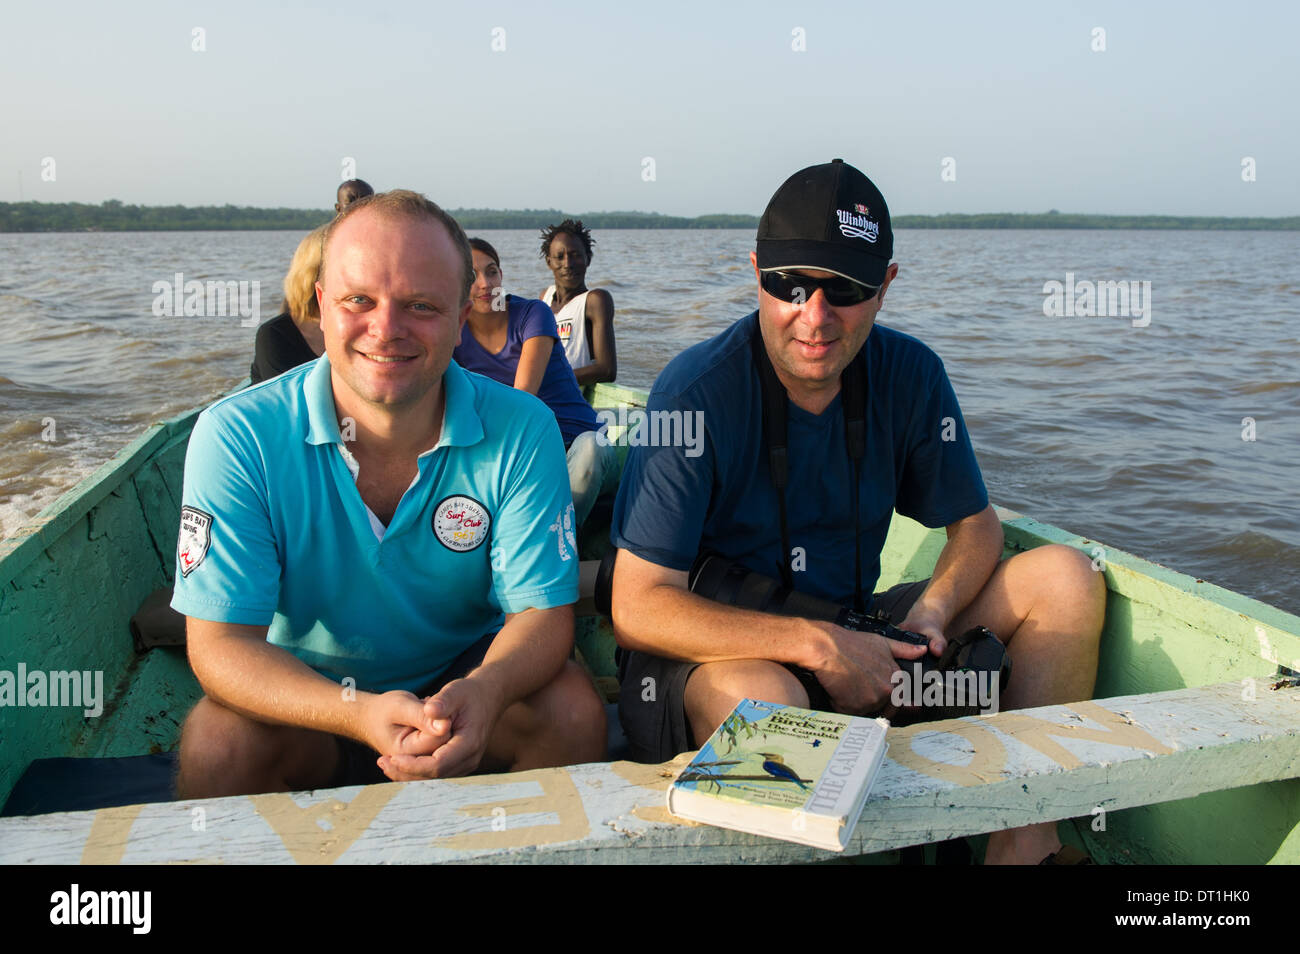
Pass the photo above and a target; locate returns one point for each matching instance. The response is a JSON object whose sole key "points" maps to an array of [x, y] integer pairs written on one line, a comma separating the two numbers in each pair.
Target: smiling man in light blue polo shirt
{"points": [[355, 533]]}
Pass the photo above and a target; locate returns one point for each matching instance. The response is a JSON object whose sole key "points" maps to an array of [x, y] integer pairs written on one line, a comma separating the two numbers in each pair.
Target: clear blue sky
{"points": [[583, 92]]}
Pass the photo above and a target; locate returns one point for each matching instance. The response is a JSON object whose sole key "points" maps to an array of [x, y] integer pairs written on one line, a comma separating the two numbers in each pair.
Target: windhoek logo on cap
{"points": [[858, 226]]}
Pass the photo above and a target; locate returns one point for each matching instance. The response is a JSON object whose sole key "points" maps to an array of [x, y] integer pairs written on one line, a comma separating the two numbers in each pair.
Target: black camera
{"points": [[977, 651]]}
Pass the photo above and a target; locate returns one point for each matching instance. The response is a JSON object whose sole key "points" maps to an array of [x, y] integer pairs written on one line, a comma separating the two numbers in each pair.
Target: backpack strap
{"points": [[853, 398], [774, 433]]}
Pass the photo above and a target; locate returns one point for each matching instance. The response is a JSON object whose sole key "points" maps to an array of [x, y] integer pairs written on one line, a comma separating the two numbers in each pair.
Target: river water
{"points": [[1174, 433]]}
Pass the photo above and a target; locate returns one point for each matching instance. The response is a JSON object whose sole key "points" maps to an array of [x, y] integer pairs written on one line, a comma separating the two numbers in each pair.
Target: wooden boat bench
{"points": [[941, 780]]}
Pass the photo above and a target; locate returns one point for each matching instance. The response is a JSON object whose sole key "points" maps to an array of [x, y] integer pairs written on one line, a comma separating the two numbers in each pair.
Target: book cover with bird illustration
{"points": [[784, 772]]}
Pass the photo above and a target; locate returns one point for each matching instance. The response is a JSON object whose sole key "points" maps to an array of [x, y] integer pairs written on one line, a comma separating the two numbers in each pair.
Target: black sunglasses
{"points": [[840, 292]]}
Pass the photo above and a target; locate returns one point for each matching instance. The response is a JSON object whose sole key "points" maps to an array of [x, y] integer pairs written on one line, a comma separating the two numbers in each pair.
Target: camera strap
{"points": [[853, 396]]}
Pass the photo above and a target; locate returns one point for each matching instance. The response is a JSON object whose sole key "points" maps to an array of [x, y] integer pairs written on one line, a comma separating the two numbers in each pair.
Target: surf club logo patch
{"points": [[858, 226], [196, 537], [461, 523]]}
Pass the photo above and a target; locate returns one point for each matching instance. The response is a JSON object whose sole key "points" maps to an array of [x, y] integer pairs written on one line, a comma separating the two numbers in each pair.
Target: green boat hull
{"points": [[71, 580]]}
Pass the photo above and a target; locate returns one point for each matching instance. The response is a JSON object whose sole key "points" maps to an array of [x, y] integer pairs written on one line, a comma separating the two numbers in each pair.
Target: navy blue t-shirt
{"points": [[672, 505], [529, 318]]}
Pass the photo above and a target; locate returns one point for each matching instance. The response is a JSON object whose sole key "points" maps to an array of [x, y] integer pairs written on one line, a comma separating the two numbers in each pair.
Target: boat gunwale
{"points": [[53, 521], [1199, 598]]}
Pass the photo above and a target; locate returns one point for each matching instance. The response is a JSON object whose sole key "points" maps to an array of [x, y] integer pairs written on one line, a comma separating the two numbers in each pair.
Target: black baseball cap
{"points": [[830, 217]]}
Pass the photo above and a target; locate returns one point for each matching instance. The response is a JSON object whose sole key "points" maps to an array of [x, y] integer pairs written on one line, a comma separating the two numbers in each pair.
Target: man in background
{"points": [[350, 191]]}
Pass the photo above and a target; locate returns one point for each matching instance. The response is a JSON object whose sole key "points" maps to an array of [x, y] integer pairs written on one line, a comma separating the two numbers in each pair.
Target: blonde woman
{"points": [[293, 337]]}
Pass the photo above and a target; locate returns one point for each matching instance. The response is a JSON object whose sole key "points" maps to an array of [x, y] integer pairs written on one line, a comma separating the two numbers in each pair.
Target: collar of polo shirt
{"points": [[461, 425]]}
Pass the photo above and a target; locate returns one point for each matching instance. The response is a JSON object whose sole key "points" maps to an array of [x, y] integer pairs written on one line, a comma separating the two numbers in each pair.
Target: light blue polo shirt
{"points": [[274, 531]]}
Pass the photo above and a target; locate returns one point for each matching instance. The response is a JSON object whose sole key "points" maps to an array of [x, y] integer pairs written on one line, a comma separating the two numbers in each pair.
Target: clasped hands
{"points": [[443, 736]]}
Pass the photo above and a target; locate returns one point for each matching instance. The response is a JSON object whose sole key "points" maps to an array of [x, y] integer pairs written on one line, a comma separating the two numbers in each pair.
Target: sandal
{"points": [[1068, 855]]}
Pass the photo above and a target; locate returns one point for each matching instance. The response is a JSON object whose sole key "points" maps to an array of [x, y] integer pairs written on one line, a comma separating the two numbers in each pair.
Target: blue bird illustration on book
{"points": [[775, 766]]}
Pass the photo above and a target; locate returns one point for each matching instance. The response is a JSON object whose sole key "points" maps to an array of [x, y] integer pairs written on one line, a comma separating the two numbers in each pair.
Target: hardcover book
{"points": [[783, 772]]}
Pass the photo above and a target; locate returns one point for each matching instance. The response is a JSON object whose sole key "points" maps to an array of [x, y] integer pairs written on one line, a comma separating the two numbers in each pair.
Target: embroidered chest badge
{"points": [[195, 538], [461, 523]]}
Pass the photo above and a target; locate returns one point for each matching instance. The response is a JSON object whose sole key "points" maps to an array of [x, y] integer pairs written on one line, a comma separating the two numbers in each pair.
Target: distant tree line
{"points": [[114, 216], [540, 218], [1071, 220]]}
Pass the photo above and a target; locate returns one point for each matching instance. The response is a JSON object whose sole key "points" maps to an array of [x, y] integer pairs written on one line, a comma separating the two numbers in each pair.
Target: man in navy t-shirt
{"points": [[823, 268]]}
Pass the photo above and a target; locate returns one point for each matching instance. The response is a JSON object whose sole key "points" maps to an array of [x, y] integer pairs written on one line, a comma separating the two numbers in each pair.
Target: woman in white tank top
{"points": [[585, 319]]}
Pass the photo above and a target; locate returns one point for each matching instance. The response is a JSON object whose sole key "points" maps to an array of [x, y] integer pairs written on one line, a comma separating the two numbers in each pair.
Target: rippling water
{"points": [[1130, 435]]}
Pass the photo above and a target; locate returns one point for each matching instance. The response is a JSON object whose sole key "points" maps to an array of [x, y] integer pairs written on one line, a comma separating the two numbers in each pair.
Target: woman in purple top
{"points": [[513, 340]]}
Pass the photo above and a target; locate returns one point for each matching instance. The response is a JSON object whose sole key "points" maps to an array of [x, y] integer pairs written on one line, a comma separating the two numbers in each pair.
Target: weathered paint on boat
{"points": [[941, 780], [71, 579]]}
